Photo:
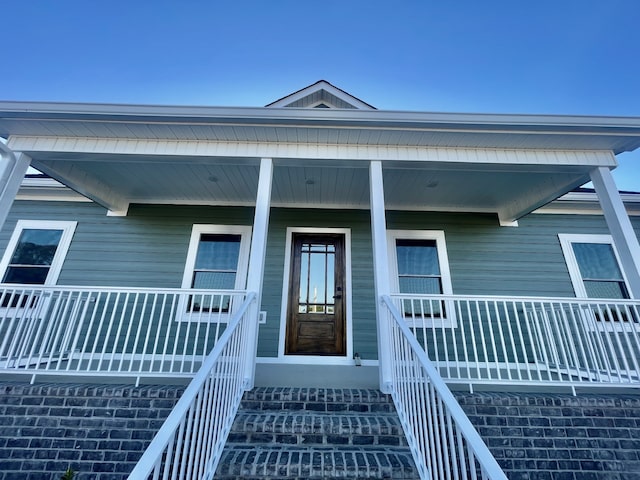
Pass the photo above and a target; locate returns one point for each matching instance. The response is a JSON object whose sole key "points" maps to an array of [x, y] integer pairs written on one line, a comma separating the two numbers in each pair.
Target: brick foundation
{"points": [[559, 437], [99, 431]]}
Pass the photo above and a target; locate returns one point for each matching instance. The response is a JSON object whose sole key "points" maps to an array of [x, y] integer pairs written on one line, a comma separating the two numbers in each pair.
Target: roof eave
{"points": [[452, 122]]}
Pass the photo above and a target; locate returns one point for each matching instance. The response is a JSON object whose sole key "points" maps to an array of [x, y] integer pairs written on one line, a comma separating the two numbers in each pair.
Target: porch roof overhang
{"points": [[506, 164]]}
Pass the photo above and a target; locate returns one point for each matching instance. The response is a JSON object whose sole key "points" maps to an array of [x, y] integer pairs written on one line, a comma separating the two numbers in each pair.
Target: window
{"points": [[36, 252], [419, 265], [593, 266], [217, 260], [595, 272]]}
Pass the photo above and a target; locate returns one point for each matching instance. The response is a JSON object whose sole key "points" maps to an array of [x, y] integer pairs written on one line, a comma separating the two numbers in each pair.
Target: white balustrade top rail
{"points": [[130, 332], [527, 340], [444, 443], [190, 442]]}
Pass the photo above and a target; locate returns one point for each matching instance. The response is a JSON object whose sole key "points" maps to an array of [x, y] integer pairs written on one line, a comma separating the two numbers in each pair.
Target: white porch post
{"points": [[256, 264], [381, 269], [13, 168], [619, 225]]}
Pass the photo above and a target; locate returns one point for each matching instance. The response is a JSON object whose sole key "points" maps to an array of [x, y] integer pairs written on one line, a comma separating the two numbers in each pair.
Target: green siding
{"points": [[487, 259], [148, 248]]}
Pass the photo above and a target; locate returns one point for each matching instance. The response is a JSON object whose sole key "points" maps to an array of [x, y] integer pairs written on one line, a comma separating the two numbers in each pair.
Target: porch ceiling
{"points": [[115, 181]]}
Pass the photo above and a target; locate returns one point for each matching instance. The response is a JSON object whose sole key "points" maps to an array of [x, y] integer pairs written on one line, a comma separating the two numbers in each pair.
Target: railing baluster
{"points": [[437, 410], [527, 340]]}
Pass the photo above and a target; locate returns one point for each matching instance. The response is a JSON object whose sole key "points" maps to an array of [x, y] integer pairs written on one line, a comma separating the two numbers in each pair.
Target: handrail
{"points": [[430, 414], [110, 331], [572, 342], [193, 419]]}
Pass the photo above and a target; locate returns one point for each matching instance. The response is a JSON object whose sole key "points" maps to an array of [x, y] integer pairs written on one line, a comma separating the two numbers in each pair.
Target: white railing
{"points": [[96, 331], [444, 443], [190, 442], [527, 340]]}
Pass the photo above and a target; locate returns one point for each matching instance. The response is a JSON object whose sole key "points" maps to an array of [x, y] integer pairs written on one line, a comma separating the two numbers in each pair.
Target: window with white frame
{"points": [[36, 252], [419, 265], [595, 271], [594, 266], [217, 259]]}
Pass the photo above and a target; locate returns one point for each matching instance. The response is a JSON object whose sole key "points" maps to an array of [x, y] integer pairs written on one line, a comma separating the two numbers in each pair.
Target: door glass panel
{"points": [[317, 278]]}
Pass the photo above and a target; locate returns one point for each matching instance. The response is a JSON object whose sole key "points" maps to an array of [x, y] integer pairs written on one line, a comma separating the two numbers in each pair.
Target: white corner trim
{"points": [[506, 223]]}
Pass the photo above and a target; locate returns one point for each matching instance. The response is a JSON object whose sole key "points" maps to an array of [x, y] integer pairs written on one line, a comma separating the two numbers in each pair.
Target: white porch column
{"points": [[256, 264], [619, 225], [381, 268], [13, 168]]}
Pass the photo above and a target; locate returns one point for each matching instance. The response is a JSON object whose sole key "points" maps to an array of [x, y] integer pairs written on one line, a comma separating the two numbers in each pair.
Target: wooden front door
{"points": [[315, 311]]}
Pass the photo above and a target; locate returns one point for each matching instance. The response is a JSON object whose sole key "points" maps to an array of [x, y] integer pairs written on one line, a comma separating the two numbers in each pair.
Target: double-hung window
{"points": [[217, 260], [419, 265], [34, 256], [595, 270], [36, 252]]}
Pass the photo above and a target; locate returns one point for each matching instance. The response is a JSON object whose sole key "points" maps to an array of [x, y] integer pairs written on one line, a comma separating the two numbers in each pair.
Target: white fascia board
{"points": [[284, 150], [165, 113]]}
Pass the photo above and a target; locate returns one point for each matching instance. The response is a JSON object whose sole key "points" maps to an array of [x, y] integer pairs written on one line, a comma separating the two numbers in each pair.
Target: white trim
{"points": [[47, 189], [243, 259], [318, 87], [156, 149], [316, 359], [68, 229], [566, 241], [13, 168], [624, 236], [443, 262]]}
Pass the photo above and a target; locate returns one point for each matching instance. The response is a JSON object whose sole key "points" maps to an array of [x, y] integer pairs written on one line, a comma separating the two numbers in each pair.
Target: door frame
{"points": [[347, 359]]}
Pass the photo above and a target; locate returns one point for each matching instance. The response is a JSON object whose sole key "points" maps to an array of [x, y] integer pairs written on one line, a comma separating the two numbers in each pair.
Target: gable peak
{"points": [[321, 94]]}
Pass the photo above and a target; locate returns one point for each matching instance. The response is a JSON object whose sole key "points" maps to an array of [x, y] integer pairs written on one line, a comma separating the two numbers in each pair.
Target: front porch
{"points": [[150, 335], [479, 342]]}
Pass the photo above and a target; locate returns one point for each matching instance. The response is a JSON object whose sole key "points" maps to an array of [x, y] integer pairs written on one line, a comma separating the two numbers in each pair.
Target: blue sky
{"points": [[543, 56]]}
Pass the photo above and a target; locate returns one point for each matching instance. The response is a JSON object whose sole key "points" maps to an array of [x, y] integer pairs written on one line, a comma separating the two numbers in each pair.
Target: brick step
{"points": [[317, 399], [304, 428], [285, 462], [316, 433]]}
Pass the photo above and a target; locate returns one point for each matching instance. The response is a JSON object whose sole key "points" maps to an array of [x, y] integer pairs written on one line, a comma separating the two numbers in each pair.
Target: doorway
{"points": [[315, 319]]}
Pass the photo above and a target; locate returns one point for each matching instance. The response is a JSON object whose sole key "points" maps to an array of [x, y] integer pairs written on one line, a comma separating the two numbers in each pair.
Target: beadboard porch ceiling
{"points": [[116, 181]]}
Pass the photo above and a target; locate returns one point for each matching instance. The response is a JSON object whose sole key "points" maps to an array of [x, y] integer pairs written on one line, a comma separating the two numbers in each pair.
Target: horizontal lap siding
{"points": [[487, 259], [147, 248]]}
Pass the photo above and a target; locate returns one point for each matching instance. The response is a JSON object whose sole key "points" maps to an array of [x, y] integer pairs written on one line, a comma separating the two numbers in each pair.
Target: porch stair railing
{"points": [[190, 442], [444, 443], [527, 340], [115, 332]]}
